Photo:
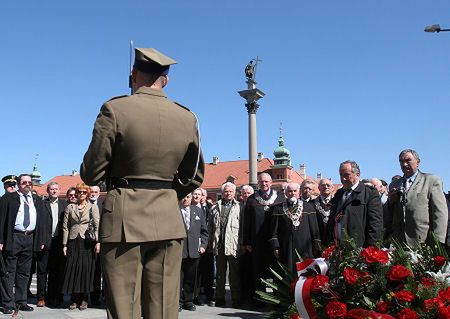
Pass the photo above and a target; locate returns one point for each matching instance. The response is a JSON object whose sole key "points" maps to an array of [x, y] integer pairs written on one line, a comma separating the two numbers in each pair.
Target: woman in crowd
{"points": [[71, 197], [80, 252]]}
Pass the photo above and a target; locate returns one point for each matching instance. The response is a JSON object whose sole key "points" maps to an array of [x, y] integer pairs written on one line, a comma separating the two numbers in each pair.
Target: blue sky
{"points": [[348, 79]]}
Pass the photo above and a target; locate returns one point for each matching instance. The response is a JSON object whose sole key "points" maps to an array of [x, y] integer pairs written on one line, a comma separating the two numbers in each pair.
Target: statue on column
{"points": [[250, 71]]}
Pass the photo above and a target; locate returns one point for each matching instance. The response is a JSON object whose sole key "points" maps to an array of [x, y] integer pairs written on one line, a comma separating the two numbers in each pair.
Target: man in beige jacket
{"points": [[146, 148]]}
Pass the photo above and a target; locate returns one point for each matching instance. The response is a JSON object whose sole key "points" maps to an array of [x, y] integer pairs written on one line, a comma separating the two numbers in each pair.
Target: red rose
{"points": [[373, 254], [444, 313], [383, 306], [404, 296], [336, 310], [432, 303], [398, 273], [293, 284], [318, 284], [407, 313], [439, 261], [328, 251], [427, 282], [353, 276], [295, 316], [444, 294]]}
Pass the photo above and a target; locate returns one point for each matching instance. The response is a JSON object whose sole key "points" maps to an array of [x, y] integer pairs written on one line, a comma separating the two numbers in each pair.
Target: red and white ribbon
{"points": [[303, 299]]}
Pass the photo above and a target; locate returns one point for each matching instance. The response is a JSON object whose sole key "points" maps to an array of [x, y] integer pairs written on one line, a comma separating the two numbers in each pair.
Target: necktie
{"points": [[26, 212], [408, 184], [346, 194], [187, 218]]}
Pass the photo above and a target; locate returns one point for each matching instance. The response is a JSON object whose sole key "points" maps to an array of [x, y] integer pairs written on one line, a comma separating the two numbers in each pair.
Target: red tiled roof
{"points": [[64, 181], [216, 174]]}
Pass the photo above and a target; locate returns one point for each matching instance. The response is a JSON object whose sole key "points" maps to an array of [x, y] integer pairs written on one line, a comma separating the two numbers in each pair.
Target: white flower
{"points": [[414, 256]]}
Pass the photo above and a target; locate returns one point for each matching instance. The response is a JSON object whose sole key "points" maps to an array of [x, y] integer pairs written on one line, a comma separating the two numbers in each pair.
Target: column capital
{"points": [[252, 107]]}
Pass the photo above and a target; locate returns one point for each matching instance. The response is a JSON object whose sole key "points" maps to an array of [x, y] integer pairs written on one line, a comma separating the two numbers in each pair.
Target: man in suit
{"points": [[257, 228], [205, 278], [416, 204], [322, 204], [22, 223], [194, 245], [307, 188], [356, 210], [148, 165], [54, 208]]}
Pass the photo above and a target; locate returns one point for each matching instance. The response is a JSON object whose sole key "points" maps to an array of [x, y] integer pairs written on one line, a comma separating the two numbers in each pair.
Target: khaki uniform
{"points": [[144, 136]]}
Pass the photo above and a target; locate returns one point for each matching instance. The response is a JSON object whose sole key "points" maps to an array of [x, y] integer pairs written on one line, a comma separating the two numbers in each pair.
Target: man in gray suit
{"points": [[417, 204]]}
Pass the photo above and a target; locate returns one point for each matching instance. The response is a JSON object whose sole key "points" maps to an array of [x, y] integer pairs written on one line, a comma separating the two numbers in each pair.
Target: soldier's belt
{"points": [[139, 183]]}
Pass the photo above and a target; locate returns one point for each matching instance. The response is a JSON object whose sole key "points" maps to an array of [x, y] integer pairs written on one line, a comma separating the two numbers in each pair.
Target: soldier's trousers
{"points": [[143, 275]]}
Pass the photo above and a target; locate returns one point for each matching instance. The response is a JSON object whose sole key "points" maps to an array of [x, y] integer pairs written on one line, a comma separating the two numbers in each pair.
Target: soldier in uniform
{"points": [[9, 183], [147, 149]]}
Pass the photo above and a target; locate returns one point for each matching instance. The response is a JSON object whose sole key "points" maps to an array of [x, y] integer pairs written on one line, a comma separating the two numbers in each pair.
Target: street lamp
{"points": [[435, 28]]}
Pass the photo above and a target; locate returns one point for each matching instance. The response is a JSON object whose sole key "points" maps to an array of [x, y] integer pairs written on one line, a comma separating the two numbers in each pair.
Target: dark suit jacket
{"points": [[49, 218], [9, 206], [362, 217], [197, 234]]}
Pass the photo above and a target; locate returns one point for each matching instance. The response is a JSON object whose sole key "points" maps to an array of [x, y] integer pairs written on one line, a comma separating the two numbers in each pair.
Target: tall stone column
{"points": [[251, 96]]}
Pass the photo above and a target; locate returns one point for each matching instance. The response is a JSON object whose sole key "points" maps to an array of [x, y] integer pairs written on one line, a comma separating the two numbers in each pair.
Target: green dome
{"points": [[281, 151], [35, 172]]}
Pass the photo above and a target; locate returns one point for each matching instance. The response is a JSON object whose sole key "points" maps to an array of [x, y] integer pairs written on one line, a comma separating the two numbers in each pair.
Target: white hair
{"points": [[264, 175], [290, 185], [247, 187], [228, 184]]}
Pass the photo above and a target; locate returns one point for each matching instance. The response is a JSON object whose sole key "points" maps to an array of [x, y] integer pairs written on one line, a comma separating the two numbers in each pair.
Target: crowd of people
{"points": [[49, 235], [239, 236], [248, 232]]}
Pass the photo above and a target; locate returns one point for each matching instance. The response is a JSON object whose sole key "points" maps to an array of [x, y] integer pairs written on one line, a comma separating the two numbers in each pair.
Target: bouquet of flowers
{"points": [[400, 283]]}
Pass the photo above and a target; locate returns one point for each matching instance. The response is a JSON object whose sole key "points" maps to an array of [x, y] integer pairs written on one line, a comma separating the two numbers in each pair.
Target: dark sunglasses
{"points": [[26, 183], [82, 192]]}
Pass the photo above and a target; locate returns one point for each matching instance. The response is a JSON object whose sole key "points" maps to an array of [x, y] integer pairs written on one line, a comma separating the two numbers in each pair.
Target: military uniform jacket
{"points": [[143, 136]]}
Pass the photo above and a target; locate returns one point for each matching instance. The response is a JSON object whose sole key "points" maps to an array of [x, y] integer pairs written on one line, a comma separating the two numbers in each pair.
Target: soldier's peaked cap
{"points": [[152, 61], [12, 179]]}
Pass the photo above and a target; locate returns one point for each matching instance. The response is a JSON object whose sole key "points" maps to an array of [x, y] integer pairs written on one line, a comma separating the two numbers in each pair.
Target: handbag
{"points": [[89, 234]]}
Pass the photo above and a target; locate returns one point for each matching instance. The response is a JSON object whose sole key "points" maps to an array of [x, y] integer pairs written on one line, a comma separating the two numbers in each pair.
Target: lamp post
{"points": [[435, 28], [251, 96]]}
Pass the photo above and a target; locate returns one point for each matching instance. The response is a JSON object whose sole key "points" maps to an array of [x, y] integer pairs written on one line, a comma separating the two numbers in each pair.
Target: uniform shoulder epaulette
{"points": [[184, 107], [117, 97]]}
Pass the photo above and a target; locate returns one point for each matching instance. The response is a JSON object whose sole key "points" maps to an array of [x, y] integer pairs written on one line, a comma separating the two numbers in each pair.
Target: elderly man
{"points": [[417, 203], [322, 204], [51, 261], [307, 190], [294, 229], [194, 245], [147, 165], [258, 211], [356, 210], [245, 193], [227, 240]]}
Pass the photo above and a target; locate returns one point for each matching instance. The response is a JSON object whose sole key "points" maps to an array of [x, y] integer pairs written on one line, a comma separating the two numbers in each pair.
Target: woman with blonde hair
{"points": [[80, 251]]}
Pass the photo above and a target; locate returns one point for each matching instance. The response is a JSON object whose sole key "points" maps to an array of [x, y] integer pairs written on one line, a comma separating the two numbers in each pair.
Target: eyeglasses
{"points": [[71, 195], [326, 185], [82, 192], [26, 183]]}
